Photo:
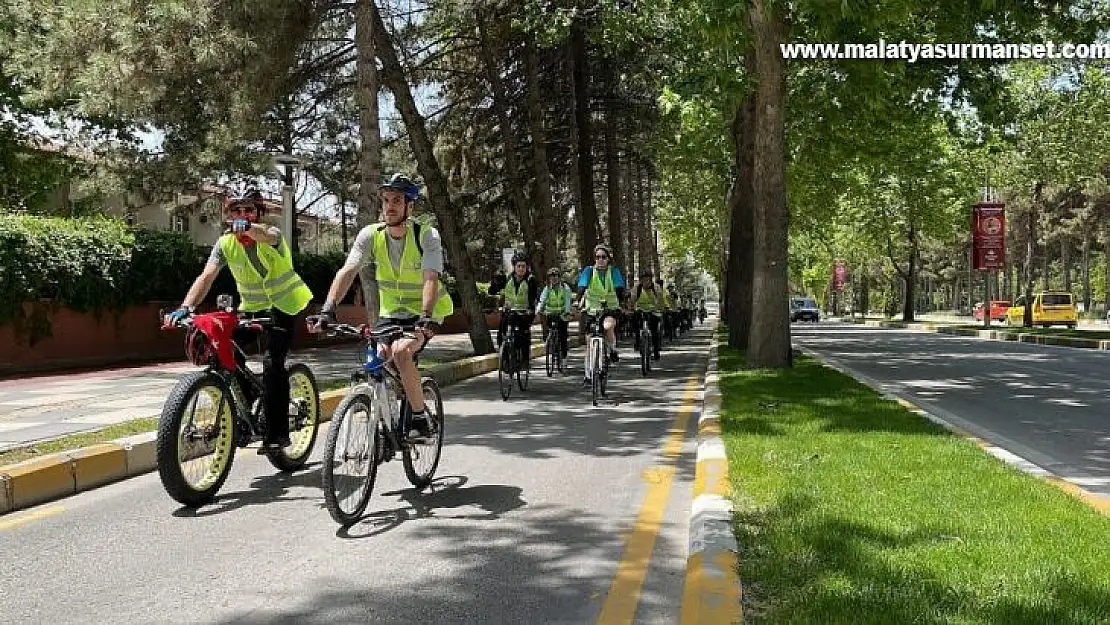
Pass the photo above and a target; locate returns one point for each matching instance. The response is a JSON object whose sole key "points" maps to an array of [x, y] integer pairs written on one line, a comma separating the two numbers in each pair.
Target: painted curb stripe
{"points": [[713, 591]]}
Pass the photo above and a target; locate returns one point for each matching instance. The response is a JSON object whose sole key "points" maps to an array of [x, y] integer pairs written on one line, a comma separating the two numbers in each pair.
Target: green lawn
{"points": [[850, 509], [1097, 335]]}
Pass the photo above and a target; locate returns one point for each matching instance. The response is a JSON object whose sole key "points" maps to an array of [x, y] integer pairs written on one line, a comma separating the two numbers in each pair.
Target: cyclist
{"points": [[520, 295], [554, 306], [647, 301], [601, 289], [408, 259], [668, 310], [262, 265]]}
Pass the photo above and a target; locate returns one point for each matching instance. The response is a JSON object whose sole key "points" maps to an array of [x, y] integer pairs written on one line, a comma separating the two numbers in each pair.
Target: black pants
{"points": [[653, 324], [555, 320], [522, 322], [275, 379]]}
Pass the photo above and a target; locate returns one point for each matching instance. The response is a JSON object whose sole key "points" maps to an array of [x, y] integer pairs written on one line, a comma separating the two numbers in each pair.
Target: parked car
{"points": [[998, 310], [1050, 308], [804, 309]]}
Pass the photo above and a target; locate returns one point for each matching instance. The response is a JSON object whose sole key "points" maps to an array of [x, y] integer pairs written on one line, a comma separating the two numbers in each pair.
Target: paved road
{"points": [[527, 524], [48, 406], [1047, 404]]}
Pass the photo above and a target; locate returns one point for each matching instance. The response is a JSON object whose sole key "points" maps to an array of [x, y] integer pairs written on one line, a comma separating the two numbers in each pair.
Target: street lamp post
{"points": [[288, 165]]}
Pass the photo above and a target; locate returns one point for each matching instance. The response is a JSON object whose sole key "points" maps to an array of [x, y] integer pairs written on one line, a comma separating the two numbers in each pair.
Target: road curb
{"points": [[1094, 500], [58, 475], [713, 591], [997, 335]]}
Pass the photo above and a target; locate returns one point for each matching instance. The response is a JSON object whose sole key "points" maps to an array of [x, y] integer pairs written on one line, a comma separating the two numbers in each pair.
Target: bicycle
{"points": [[646, 344], [371, 424], [597, 358], [553, 349], [512, 360], [234, 416]]}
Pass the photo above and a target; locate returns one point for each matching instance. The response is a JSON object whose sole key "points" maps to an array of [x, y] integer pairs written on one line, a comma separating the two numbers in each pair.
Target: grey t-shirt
{"points": [[362, 256], [217, 256]]}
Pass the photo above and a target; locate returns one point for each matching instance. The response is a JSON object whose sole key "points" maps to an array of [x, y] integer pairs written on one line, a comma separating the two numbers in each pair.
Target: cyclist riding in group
{"points": [[648, 301], [554, 307], [520, 293], [668, 328], [408, 257], [261, 263], [601, 289]]}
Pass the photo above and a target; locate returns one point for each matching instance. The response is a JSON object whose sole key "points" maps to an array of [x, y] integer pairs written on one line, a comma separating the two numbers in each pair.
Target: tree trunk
{"points": [[612, 166], [1086, 276], [769, 337], [741, 227], [1065, 262], [369, 131], [644, 235], [512, 172], [1030, 243], [1106, 264], [633, 217], [650, 207], [910, 278], [370, 150], [583, 136], [439, 194], [547, 217]]}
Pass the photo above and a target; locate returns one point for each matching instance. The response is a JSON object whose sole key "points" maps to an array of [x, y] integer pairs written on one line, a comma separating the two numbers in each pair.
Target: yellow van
{"points": [[1050, 308]]}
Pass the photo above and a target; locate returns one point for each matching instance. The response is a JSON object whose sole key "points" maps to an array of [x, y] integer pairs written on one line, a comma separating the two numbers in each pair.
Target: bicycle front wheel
{"points": [[351, 459], [505, 370], [196, 438]]}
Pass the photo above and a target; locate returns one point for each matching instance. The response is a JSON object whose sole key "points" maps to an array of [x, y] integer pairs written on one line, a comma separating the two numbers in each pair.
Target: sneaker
{"points": [[614, 356], [421, 426], [655, 356], [273, 447], [586, 382]]}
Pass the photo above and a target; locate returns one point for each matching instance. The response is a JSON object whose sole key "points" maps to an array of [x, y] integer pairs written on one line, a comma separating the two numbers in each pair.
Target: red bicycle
{"points": [[211, 412]]}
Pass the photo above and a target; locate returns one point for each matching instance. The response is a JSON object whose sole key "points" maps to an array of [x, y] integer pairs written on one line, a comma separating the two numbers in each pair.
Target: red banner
{"points": [[840, 275], [989, 235]]}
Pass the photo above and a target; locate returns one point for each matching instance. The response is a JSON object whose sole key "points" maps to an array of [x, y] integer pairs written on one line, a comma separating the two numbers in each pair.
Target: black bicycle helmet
{"points": [[401, 182], [646, 273], [519, 257]]}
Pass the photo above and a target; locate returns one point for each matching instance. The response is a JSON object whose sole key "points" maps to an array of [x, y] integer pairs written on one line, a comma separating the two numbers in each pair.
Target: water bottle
{"points": [[373, 364]]}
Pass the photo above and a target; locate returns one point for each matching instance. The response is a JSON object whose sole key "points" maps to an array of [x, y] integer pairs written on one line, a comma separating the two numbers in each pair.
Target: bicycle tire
{"points": [[524, 371], [504, 373], [168, 450], [422, 480], [298, 452], [335, 430]]}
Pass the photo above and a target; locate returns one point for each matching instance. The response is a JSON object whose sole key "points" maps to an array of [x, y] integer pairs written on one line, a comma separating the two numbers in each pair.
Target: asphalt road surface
{"points": [[526, 523], [1050, 405]]}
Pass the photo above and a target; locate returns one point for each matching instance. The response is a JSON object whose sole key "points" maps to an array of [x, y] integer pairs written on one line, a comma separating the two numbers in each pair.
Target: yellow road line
{"points": [[624, 593], [31, 517]]}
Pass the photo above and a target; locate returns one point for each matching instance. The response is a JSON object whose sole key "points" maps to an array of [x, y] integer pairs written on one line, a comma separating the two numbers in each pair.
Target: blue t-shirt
{"points": [[588, 272]]}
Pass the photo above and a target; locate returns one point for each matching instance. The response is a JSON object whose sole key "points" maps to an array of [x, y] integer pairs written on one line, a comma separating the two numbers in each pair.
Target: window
{"points": [[179, 223], [1056, 299]]}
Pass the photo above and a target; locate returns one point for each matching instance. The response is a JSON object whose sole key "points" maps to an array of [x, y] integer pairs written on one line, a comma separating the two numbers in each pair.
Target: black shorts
{"points": [[408, 324]]}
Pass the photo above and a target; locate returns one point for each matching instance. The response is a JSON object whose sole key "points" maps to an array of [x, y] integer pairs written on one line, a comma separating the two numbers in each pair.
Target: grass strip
{"points": [[82, 439], [850, 509]]}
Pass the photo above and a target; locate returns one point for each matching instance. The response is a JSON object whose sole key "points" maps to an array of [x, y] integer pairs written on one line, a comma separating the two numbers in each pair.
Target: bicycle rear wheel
{"points": [[355, 440], [523, 370], [645, 353], [422, 459], [550, 358]]}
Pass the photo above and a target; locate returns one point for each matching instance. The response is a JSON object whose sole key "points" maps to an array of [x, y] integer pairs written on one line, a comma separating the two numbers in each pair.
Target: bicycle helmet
{"points": [[554, 272], [519, 257], [601, 247], [401, 182], [646, 273], [252, 199]]}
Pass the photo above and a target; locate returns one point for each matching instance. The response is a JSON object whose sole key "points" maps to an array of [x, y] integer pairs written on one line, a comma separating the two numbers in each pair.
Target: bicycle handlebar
{"points": [[255, 323]]}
